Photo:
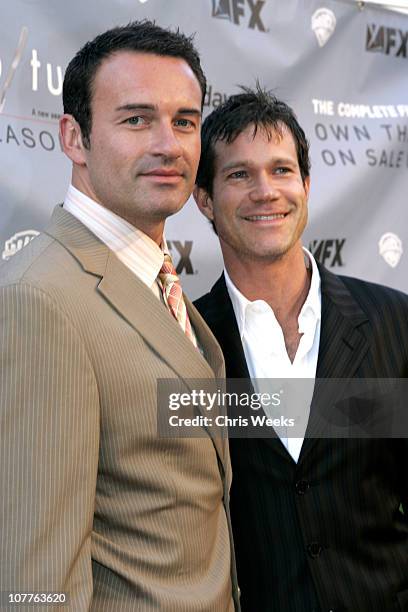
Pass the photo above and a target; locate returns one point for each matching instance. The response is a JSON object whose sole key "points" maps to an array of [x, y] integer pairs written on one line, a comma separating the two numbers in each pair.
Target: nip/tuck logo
{"points": [[9, 67], [390, 41], [236, 10], [13, 66]]}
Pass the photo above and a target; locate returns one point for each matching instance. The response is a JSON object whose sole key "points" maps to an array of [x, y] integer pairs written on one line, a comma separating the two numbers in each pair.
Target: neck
{"points": [[153, 229], [283, 283]]}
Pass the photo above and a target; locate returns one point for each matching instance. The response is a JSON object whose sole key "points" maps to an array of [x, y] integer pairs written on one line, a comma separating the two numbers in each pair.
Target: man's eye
{"points": [[238, 174], [282, 170], [184, 123], [136, 120]]}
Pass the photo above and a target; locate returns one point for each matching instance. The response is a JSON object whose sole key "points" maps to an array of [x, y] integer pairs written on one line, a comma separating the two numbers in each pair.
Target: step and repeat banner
{"points": [[343, 68]]}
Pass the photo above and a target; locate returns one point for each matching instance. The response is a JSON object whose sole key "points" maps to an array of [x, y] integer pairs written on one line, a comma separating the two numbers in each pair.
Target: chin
{"points": [[168, 210], [268, 254]]}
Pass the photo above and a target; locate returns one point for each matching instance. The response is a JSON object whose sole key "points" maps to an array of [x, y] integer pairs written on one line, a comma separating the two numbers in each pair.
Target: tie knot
{"points": [[168, 272]]}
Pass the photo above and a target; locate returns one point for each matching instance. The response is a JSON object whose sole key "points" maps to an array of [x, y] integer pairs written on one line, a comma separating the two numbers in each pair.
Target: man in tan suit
{"points": [[93, 503]]}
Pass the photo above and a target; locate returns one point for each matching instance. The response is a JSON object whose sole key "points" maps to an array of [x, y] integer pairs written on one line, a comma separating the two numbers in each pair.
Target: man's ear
{"points": [[71, 139], [204, 202], [306, 184]]}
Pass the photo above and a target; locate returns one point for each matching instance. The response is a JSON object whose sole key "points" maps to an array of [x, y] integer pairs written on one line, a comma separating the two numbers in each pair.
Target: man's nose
{"points": [[166, 141], [264, 189]]}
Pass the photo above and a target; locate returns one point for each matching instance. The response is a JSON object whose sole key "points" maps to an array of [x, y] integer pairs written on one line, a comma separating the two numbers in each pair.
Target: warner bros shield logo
{"points": [[17, 242], [390, 248], [323, 25]]}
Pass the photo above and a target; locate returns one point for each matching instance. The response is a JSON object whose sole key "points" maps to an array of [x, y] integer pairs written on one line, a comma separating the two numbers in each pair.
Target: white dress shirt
{"points": [[265, 351]]}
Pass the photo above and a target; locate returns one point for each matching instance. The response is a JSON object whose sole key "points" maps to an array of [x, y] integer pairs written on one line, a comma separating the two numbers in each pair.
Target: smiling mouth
{"points": [[273, 217]]}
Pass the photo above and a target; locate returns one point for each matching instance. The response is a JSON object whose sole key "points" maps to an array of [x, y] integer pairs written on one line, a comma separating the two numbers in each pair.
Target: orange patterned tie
{"points": [[174, 296]]}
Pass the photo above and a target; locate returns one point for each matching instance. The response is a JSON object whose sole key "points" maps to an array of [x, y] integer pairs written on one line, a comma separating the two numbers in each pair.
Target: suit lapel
{"points": [[140, 307], [343, 344], [221, 319], [149, 316], [206, 340]]}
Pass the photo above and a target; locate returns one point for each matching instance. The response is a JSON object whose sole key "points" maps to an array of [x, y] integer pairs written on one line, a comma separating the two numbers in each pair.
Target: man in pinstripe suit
{"points": [[93, 502], [318, 523]]}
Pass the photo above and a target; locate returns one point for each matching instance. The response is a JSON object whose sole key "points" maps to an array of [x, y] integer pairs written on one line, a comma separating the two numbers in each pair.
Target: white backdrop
{"points": [[343, 68]]}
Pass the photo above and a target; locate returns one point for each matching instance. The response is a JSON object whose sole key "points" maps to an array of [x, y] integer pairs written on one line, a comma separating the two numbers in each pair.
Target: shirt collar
{"points": [[132, 246], [239, 303], [310, 312]]}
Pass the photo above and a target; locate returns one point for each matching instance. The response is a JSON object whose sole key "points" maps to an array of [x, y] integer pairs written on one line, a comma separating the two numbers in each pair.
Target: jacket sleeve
{"points": [[49, 438]]}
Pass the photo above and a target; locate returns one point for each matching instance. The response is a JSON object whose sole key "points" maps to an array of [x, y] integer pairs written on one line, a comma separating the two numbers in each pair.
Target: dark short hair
{"points": [[257, 107], [139, 36]]}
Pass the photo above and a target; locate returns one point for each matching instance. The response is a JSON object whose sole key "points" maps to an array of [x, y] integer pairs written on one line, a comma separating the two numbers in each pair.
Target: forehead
{"points": [[264, 145], [126, 74]]}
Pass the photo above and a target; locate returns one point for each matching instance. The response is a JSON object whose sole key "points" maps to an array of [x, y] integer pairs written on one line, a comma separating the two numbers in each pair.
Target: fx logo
{"points": [[184, 250], [328, 250], [389, 41], [233, 10]]}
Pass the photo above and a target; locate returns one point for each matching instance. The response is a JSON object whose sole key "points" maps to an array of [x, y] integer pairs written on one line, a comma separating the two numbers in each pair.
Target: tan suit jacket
{"points": [[93, 502]]}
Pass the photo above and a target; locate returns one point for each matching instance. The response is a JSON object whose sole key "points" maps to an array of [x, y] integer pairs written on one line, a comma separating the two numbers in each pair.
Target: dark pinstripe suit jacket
{"points": [[92, 502], [326, 533]]}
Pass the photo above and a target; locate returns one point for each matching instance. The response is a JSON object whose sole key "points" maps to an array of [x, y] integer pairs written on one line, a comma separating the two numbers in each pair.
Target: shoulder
{"points": [[382, 311], [18, 267], [43, 258], [44, 264], [43, 281], [386, 326], [374, 298], [37, 313]]}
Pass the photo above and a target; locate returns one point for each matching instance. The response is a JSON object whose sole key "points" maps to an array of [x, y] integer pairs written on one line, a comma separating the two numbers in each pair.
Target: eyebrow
{"points": [[189, 111], [152, 107], [248, 163], [235, 164]]}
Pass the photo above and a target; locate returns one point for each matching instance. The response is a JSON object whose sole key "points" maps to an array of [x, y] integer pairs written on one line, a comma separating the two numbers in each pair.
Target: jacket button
{"points": [[314, 549], [302, 486]]}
